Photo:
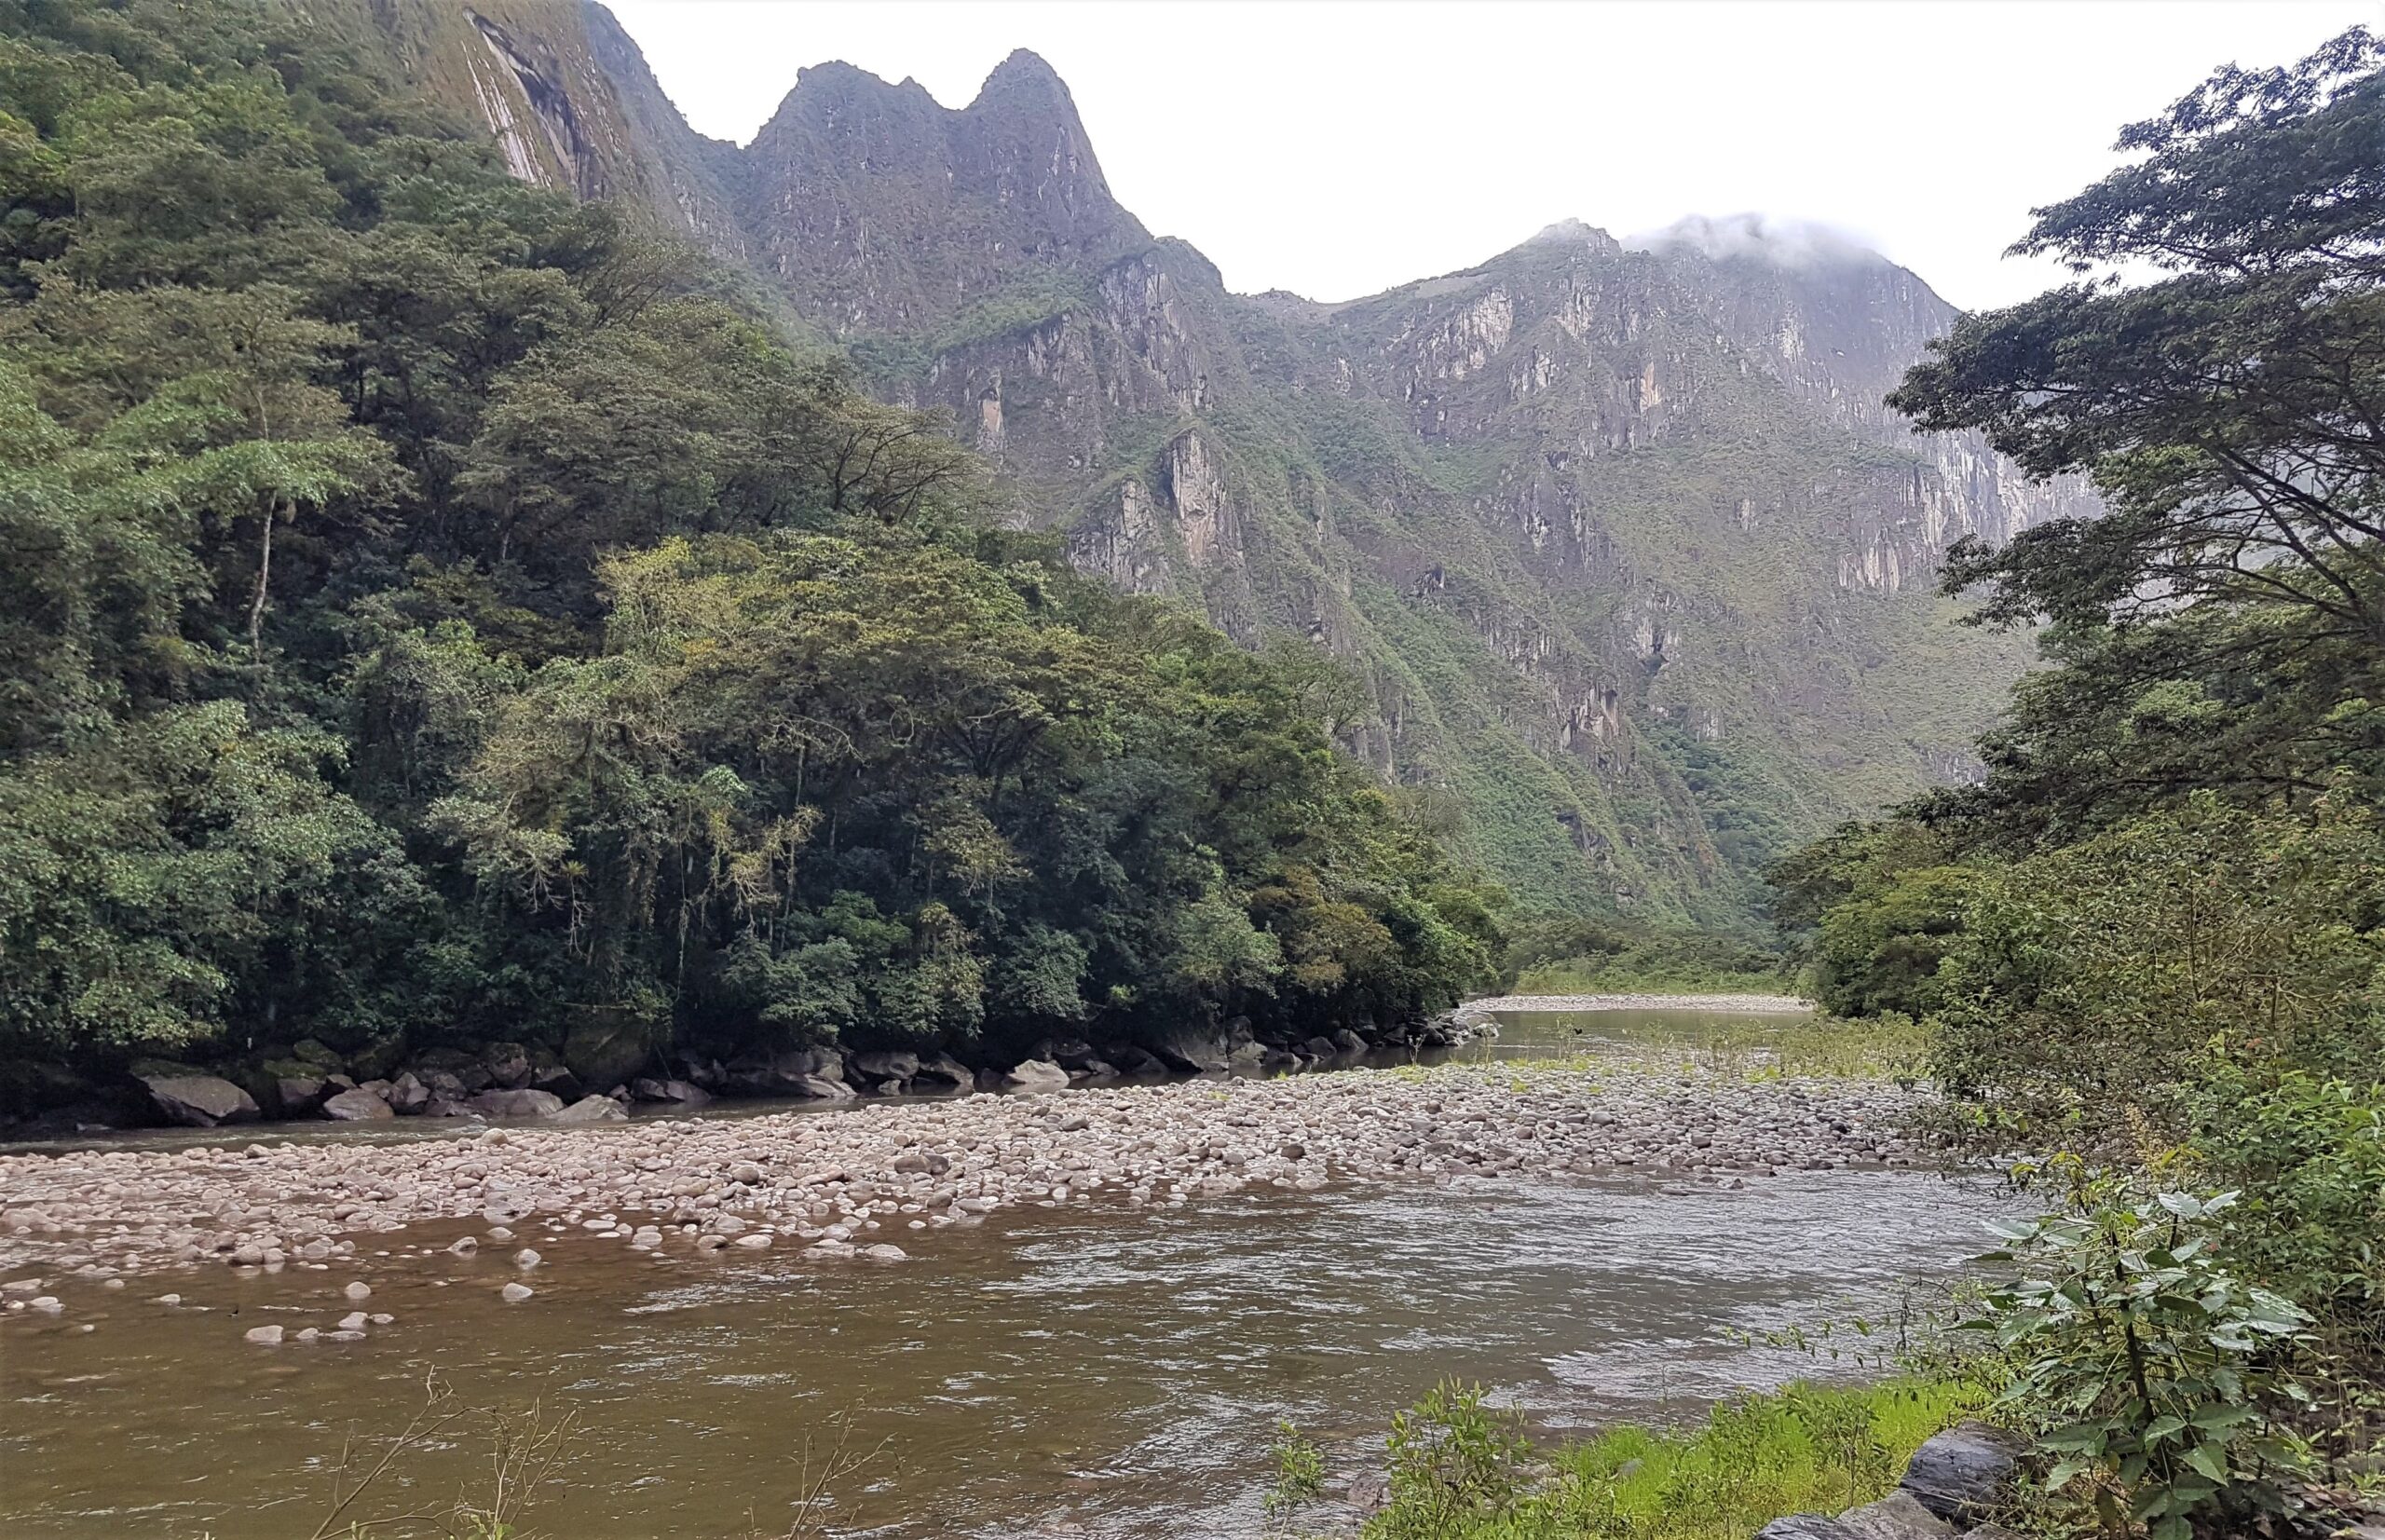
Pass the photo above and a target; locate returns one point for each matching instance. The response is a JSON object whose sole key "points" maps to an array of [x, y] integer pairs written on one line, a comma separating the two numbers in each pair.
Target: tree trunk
{"points": [[264, 574]]}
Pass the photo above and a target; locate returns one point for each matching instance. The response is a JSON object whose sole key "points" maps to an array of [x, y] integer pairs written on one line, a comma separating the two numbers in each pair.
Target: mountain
{"points": [[1633, 562]]}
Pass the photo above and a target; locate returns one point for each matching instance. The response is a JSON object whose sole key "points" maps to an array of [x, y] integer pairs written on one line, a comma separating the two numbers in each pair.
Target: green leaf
{"points": [[2210, 1460]]}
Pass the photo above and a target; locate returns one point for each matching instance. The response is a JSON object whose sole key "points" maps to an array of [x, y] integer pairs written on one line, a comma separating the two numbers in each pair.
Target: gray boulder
{"points": [[199, 1101], [821, 1088], [1038, 1074], [407, 1094], [675, 1091], [1199, 1052], [897, 1065], [944, 1067], [298, 1086], [592, 1110], [1899, 1516], [1807, 1526], [357, 1105], [1964, 1473], [517, 1104], [607, 1047], [508, 1065], [784, 1072]]}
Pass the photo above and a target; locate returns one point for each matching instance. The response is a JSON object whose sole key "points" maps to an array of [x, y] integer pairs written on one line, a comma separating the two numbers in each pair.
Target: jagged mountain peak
{"points": [[1026, 73]]}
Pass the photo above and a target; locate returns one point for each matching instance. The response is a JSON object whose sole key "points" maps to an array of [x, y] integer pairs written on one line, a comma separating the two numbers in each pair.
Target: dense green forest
{"points": [[438, 610], [2150, 945]]}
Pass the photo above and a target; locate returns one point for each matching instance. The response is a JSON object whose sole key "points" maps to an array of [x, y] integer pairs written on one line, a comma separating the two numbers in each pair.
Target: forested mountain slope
{"points": [[1634, 564]]}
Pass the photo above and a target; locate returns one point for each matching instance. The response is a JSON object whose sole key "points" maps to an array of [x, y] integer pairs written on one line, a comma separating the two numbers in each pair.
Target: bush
{"points": [[2145, 1367]]}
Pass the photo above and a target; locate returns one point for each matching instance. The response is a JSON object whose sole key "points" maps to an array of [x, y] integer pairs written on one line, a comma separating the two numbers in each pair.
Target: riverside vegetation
{"points": [[440, 612]]}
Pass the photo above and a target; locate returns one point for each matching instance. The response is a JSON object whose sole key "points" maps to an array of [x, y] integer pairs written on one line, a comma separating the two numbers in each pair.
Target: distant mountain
{"points": [[1636, 565]]}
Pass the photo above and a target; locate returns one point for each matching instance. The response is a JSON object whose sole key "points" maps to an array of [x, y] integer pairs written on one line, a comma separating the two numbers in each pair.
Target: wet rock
{"points": [[590, 1109], [788, 1072], [298, 1087], [947, 1070], [358, 1291], [1038, 1074], [199, 1101], [514, 1293], [885, 1253], [517, 1104], [407, 1094], [527, 1259], [264, 1336], [357, 1106], [1964, 1473]]}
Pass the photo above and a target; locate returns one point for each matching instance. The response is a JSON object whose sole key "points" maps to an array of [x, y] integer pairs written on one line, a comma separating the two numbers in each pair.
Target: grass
{"points": [[1463, 1471]]}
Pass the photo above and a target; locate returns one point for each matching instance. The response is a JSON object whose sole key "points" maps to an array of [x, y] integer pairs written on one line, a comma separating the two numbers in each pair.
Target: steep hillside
{"points": [[1634, 562]]}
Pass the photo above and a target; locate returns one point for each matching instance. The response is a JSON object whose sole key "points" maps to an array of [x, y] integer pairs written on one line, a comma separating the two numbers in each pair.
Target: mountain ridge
{"points": [[1633, 562]]}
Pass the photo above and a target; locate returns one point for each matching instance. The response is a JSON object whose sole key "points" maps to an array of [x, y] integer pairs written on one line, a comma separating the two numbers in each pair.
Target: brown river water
{"points": [[1089, 1370]]}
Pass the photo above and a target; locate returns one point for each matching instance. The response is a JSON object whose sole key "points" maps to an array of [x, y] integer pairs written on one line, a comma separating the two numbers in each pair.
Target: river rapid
{"points": [[1080, 1367]]}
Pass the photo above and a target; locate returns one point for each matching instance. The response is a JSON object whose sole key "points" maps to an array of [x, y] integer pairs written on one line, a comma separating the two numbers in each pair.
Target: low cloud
{"points": [[1761, 238]]}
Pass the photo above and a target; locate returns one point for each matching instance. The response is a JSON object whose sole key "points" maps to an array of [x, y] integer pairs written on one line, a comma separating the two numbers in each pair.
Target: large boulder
{"points": [[407, 1094], [786, 1073], [1038, 1074], [200, 1101], [508, 1065], [887, 1068], [379, 1058], [1899, 1516], [298, 1086], [357, 1105], [821, 1088], [1965, 1473], [314, 1051], [950, 1070], [1202, 1053], [592, 1110], [517, 1104], [607, 1047], [1807, 1526]]}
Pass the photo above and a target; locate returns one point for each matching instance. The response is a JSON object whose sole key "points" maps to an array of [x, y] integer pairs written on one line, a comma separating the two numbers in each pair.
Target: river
{"points": [[1085, 1370]]}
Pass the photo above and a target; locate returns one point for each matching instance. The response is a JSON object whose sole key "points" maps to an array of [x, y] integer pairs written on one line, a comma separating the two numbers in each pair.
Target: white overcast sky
{"points": [[1337, 149]]}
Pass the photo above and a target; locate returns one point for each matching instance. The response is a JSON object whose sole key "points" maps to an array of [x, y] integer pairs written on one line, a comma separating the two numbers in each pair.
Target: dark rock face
{"points": [[1964, 1473], [607, 1048], [199, 1101]]}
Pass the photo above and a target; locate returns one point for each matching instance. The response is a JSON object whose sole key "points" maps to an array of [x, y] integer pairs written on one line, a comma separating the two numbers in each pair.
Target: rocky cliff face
{"points": [[1636, 564]]}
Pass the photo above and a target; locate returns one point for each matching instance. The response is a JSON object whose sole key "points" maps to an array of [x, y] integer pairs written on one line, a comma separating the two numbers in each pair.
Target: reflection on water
{"points": [[1115, 1369]]}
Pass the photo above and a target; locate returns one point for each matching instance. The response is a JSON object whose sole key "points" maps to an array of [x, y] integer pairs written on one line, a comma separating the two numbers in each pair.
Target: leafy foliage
{"points": [[441, 609], [2145, 1365]]}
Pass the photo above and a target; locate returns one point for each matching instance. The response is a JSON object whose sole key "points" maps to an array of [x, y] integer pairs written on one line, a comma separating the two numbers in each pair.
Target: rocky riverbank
{"points": [[863, 1183]]}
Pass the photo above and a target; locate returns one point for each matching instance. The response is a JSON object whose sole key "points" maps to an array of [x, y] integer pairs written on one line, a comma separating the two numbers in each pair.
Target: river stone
{"points": [[1896, 1517], [588, 1109], [517, 1104], [821, 1088], [1964, 1472], [513, 1293], [357, 1106], [1038, 1074], [680, 1091], [200, 1101], [407, 1094], [264, 1336]]}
